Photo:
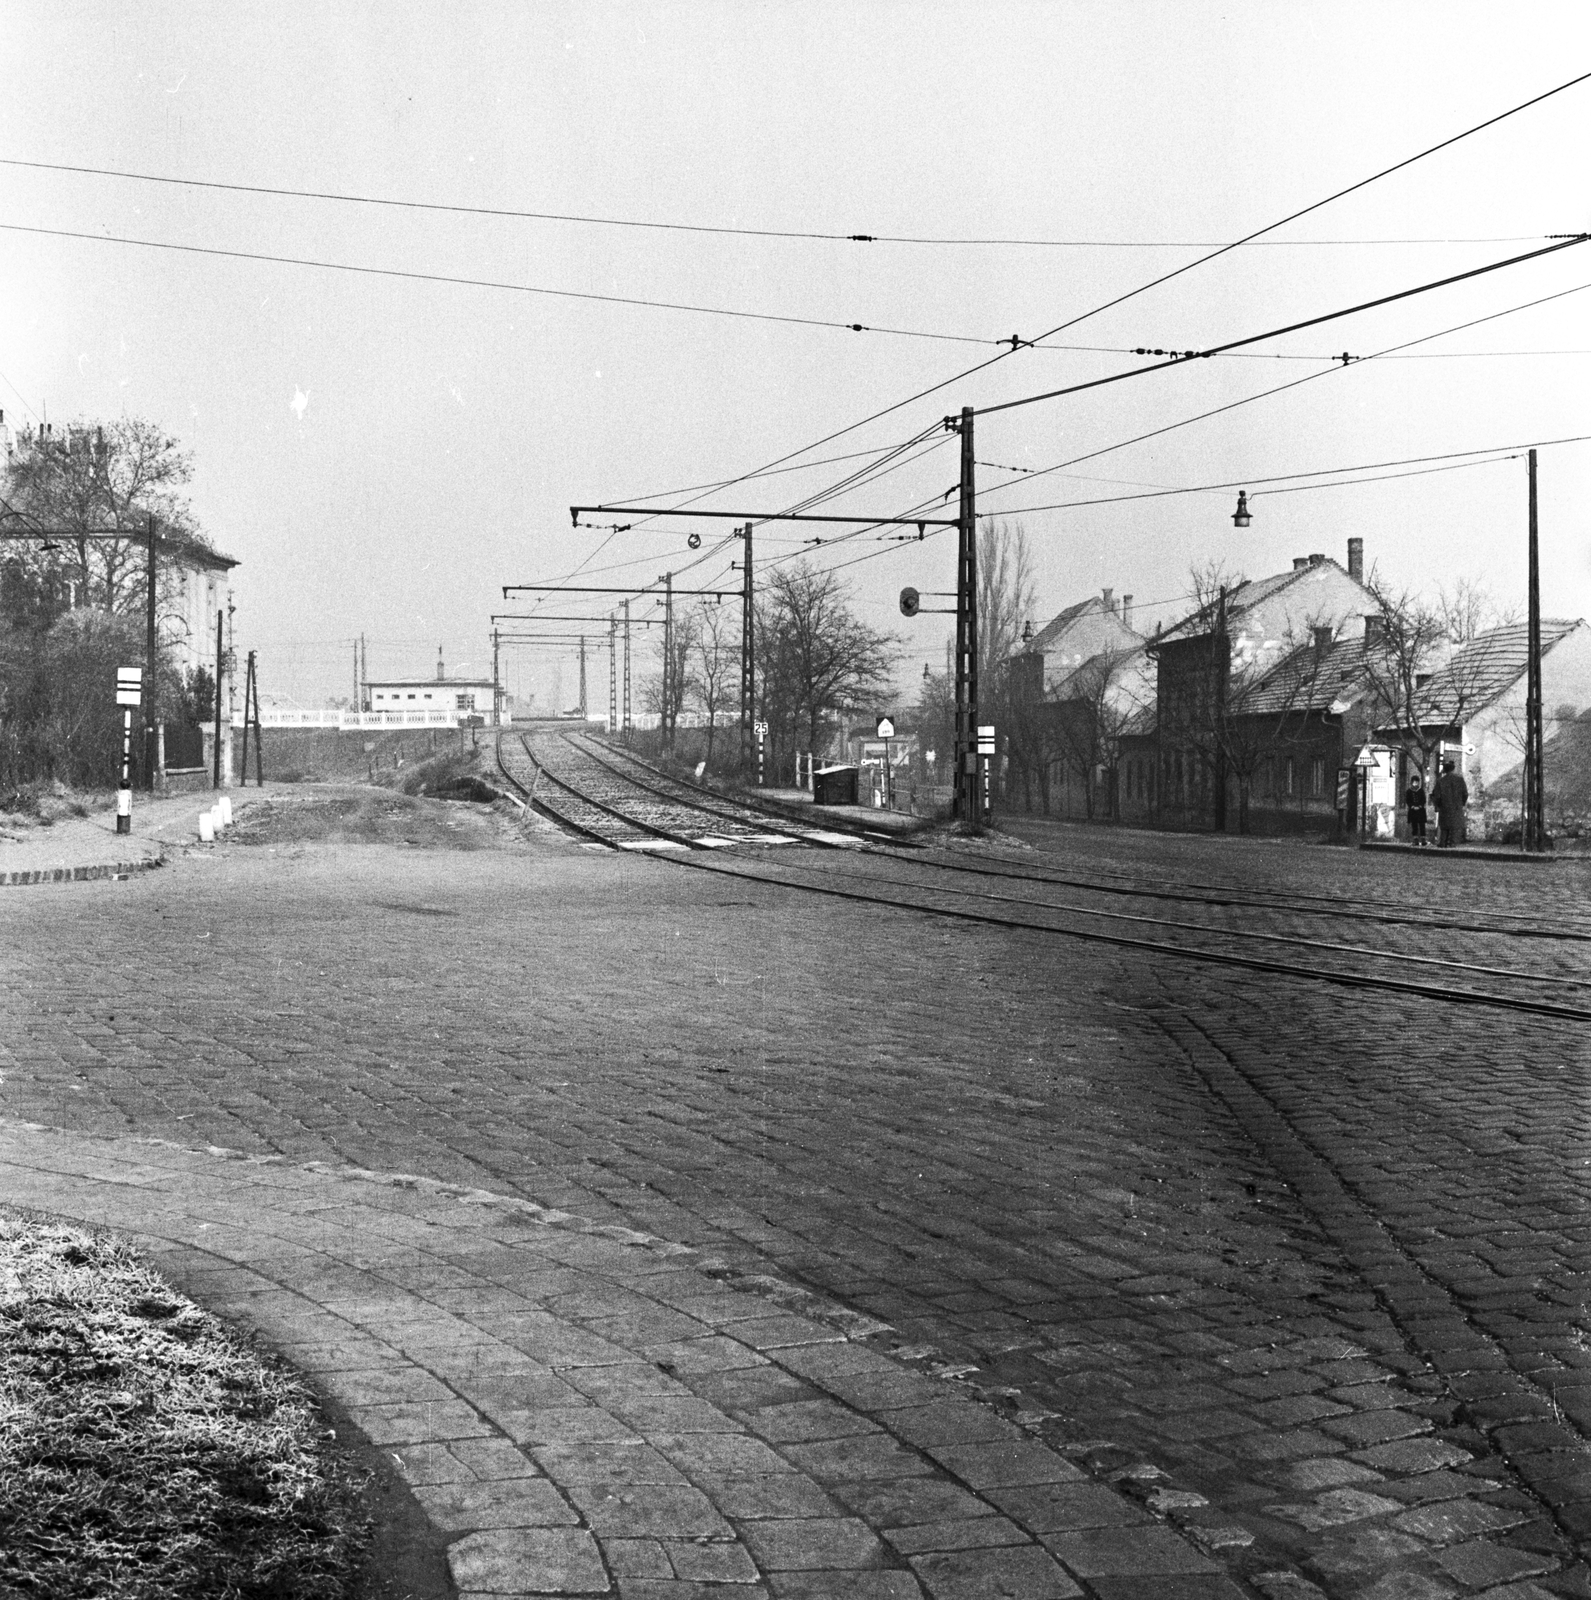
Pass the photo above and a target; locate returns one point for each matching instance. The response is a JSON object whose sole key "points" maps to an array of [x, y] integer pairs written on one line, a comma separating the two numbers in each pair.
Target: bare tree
{"points": [[1468, 610], [93, 477], [815, 657], [714, 667], [1089, 713], [1006, 596]]}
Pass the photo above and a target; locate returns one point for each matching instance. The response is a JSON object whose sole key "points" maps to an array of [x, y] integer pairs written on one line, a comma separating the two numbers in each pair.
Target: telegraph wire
{"points": [[1292, 327], [1016, 343], [495, 283], [1280, 388], [455, 209]]}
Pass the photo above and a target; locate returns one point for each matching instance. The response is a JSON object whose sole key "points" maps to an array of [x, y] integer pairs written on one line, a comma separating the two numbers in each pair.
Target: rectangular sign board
{"points": [[129, 686]]}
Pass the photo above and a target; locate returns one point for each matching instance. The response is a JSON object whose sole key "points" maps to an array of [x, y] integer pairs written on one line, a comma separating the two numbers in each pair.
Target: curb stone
{"points": [[588, 1409]]}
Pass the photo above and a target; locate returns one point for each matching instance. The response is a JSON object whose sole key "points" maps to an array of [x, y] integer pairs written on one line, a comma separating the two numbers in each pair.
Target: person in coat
{"points": [[1414, 803], [1451, 795]]}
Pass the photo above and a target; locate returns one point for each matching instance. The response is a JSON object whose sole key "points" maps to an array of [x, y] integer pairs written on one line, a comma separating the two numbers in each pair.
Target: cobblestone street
{"points": [[1293, 1277]]}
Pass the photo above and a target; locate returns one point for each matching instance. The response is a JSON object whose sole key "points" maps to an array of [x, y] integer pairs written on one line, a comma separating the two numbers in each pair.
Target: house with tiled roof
{"points": [[1472, 709]]}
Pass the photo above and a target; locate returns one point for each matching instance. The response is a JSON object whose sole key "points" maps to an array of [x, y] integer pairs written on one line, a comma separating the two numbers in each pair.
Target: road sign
{"points": [[986, 739], [129, 686], [910, 600], [762, 729], [886, 728], [1365, 758]]}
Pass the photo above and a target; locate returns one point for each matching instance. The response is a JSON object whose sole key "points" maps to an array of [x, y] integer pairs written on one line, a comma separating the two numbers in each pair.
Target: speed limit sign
{"points": [[762, 730]]}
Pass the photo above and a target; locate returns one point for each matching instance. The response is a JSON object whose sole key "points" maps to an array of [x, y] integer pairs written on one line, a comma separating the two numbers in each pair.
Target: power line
{"points": [[1015, 343], [1292, 327], [1311, 377], [494, 283], [455, 209]]}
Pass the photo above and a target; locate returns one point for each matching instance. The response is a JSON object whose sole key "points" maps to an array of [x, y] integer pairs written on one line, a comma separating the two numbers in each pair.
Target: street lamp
{"points": [[1241, 518]]}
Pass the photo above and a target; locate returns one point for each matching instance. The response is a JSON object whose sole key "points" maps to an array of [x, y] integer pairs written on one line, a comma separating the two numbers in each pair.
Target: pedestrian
{"points": [[1414, 802], [1451, 795]]}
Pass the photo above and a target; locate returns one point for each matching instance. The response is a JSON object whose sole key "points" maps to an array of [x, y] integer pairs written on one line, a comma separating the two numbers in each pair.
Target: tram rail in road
{"points": [[632, 813]]}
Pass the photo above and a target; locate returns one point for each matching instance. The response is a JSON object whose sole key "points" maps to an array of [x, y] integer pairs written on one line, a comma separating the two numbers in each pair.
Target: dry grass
{"points": [[147, 1453]]}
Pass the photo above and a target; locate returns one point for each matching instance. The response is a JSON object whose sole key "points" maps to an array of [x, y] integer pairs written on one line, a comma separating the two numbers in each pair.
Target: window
{"points": [[465, 702], [1317, 776], [411, 696], [1288, 776]]}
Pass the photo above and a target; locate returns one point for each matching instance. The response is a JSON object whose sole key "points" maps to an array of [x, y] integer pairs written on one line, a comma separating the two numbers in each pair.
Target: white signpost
{"points": [[129, 696]]}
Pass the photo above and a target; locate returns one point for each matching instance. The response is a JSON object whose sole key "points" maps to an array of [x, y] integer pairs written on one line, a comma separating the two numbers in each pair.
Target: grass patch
{"points": [[149, 1453]]}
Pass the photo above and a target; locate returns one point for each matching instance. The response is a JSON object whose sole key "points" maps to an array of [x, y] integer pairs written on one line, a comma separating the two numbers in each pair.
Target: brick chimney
{"points": [[1300, 561], [1317, 560], [1356, 560], [1110, 603], [1126, 611], [441, 672]]}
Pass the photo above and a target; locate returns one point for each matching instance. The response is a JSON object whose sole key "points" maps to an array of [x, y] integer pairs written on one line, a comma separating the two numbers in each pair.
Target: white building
{"points": [[460, 698]]}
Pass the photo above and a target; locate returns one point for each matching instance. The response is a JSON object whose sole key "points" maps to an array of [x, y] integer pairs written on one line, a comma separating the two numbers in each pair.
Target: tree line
{"points": [[75, 507]]}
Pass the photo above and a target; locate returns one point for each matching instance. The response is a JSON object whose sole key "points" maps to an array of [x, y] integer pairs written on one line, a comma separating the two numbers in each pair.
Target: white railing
{"points": [[281, 717]]}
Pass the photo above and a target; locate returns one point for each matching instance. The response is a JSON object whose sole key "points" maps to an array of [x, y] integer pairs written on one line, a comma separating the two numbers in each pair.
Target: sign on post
{"points": [[129, 686], [886, 728], [129, 696]]}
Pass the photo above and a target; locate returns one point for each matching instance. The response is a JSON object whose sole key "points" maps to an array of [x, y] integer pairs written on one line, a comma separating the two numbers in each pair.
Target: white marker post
{"points": [[986, 760], [129, 694], [762, 734]]}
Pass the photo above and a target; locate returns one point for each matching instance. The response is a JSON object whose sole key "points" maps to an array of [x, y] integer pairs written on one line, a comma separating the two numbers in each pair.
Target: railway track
{"points": [[604, 801]]}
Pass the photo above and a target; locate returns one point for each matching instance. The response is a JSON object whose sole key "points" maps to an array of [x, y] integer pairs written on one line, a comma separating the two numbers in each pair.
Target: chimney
{"points": [[1375, 627], [1323, 639], [440, 671], [1126, 611], [1300, 561], [1316, 561], [1356, 560], [1110, 604]]}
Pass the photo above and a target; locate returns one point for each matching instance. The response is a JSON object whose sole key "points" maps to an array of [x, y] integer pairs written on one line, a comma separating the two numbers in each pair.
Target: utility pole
{"points": [[1220, 661], [626, 729], [748, 661], [364, 670], [356, 674], [149, 670], [582, 677], [1535, 829], [613, 673], [668, 661], [230, 662], [220, 663], [497, 693], [969, 784]]}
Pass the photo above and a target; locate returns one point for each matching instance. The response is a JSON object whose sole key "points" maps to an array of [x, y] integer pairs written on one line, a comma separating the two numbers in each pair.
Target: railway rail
{"points": [[606, 803]]}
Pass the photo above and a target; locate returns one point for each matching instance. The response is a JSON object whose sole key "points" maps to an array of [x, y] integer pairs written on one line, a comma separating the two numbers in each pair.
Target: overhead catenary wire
{"points": [[410, 275], [1257, 233], [454, 208]]}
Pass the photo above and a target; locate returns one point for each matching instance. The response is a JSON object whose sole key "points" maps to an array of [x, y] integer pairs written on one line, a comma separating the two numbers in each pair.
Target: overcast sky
{"points": [[381, 454]]}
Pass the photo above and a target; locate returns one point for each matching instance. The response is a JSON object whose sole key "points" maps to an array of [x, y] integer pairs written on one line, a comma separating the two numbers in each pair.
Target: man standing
{"points": [[1451, 795]]}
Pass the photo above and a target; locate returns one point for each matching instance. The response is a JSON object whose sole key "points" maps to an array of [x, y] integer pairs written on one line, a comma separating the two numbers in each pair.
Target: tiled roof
{"points": [[1491, 663], [1242, 597], [1309, 680], [1058, 624]]}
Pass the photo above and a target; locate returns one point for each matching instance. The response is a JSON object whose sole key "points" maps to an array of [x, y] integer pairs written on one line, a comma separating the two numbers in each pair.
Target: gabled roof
{"points": [[1056, 627], [1309, 680], [1245, 596], [1488, 666]]}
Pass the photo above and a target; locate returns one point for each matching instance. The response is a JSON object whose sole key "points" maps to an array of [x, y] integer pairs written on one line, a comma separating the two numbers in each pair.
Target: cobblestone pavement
{"points": [[1293, 1280]]}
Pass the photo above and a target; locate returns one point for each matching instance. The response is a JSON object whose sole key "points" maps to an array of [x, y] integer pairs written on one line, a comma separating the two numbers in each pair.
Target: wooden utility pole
{"points": [[1220, 661], [626, 729], [1535, 819], [613, 673], [150, 669], [220, 663], [582, 677], [670, 709], [748, 661], [969, 785]]}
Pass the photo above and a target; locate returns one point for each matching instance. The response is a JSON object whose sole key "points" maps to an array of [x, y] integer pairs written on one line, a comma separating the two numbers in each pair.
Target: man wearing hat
{"points": [[1451, 795]]}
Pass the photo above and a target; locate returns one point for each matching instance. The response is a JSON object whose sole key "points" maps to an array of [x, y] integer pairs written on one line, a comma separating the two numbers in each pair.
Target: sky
{"points": [[382, 453]]}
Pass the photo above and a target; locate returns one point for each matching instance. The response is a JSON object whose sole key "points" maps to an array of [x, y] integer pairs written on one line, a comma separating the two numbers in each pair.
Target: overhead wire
{"points": [[453, 208]]}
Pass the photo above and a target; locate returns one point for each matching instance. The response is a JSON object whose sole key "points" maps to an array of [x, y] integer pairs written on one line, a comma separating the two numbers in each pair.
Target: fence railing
{"points": [[434, 717]]}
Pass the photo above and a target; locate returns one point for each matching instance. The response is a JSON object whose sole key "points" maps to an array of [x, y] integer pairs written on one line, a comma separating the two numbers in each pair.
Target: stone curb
{"points": [[586, 1409], [1462, 852], [112, 869]]}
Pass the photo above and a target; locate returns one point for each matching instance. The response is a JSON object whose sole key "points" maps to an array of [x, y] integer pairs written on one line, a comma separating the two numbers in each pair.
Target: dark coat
{"points": [[1451, 795]]}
